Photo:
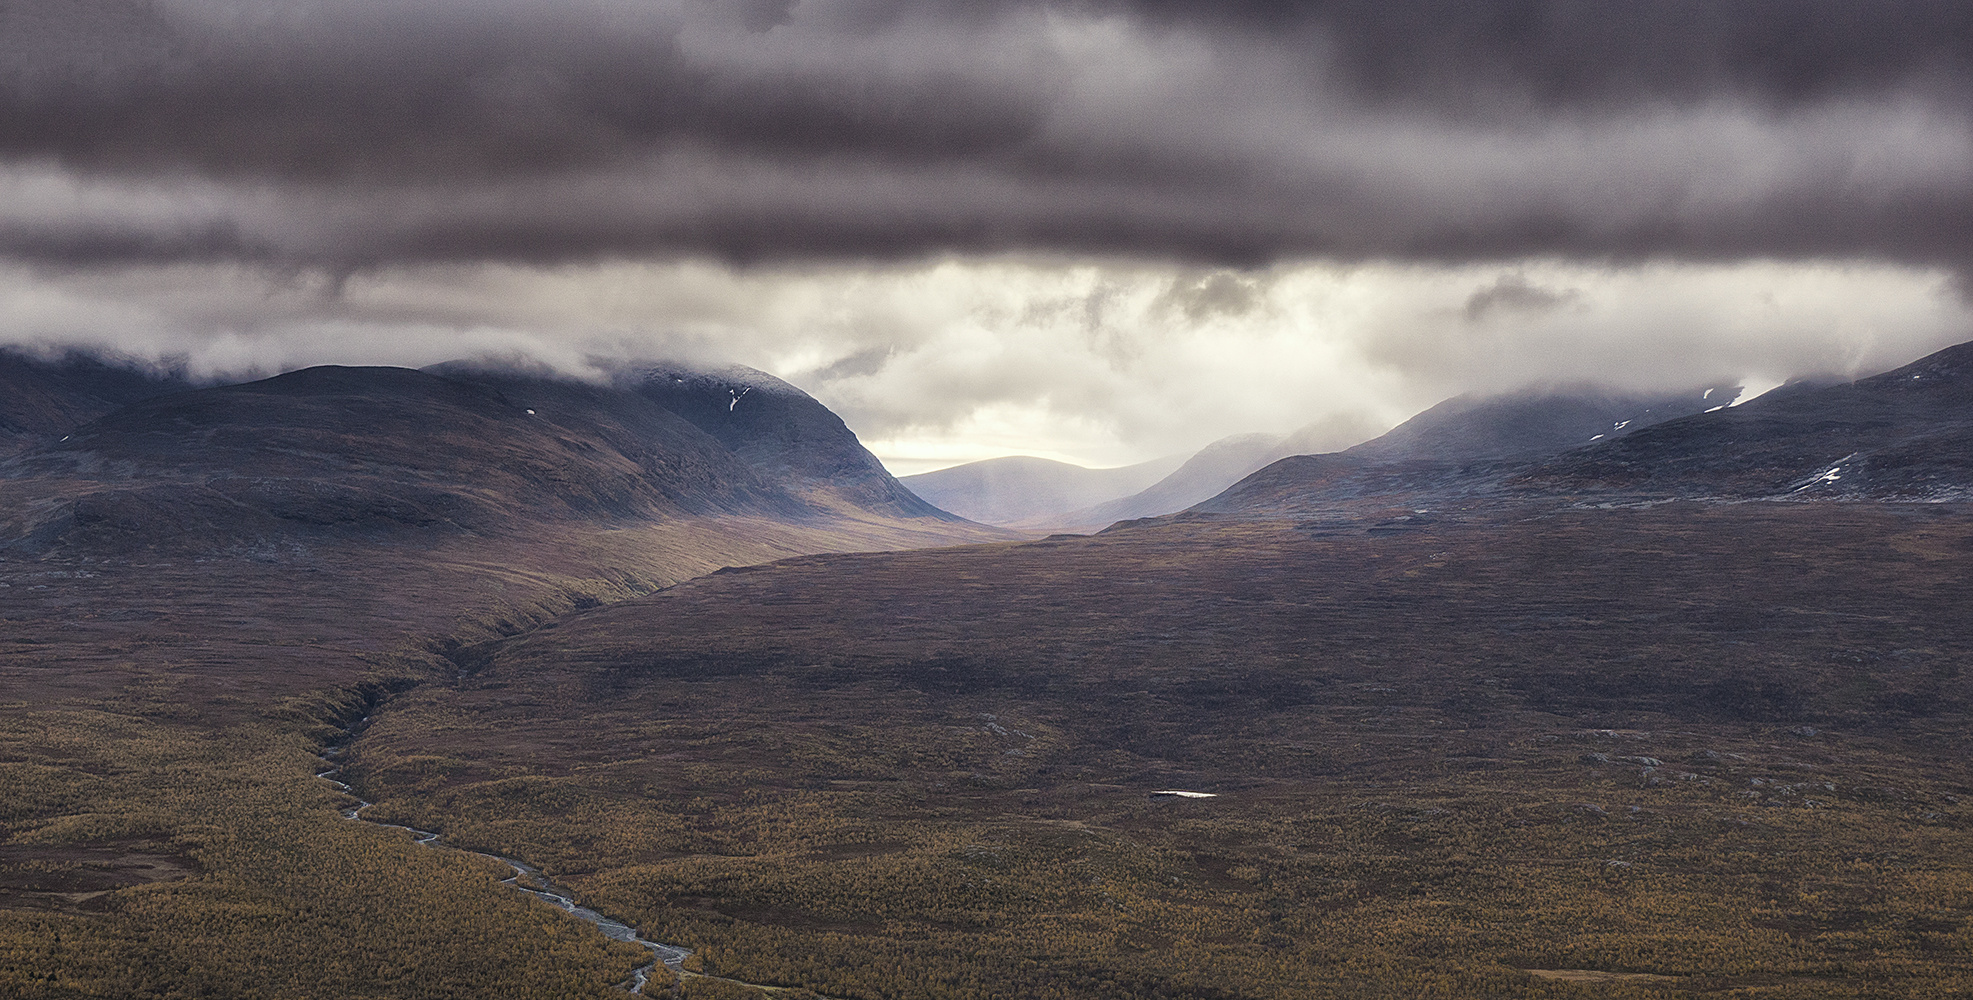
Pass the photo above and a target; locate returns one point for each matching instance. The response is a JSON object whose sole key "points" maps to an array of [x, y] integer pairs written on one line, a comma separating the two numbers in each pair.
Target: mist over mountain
{"points": [[1444, 441], [42, 399], [1531, 424], [1903, 435], [1209, 470], [1462, 447], [1202, 475], [463, 449]]}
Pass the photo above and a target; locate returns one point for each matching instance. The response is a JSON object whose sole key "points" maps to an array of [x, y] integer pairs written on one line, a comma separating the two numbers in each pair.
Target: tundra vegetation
{"points": [[1521, 747], [1678, 751], [1685, 750]]}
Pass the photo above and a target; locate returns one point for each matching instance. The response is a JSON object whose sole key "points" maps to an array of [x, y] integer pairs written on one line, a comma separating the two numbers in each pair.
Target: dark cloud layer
{"points": [[1457, 56], [357, 133]]}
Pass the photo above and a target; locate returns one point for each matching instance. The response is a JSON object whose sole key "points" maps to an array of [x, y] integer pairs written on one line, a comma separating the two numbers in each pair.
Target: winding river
{"points": [[670, 955]]}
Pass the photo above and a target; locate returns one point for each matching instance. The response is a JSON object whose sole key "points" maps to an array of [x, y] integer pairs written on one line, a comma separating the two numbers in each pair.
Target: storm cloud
{"points": [[354, 134], [1095, 230]]}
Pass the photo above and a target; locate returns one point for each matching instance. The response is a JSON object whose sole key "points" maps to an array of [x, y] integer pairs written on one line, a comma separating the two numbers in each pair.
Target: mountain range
{"points": [[42, 398], [1550, 694], [1902, 435], [1039, 495], [455, 449], [1449, 439]]}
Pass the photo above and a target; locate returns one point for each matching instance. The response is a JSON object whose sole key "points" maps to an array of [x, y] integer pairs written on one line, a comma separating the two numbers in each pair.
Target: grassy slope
{"points": [[157, 717], [1447, 753]]}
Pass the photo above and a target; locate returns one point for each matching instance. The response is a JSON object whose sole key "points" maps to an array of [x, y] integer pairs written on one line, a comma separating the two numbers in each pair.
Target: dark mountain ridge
{"points": [[781, 432], [42, 399], [460, 448], [1463, 448], [1905, 434], [1468, 429]]}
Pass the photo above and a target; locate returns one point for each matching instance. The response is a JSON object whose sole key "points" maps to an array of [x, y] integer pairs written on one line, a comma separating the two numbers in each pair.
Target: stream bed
{"points": [[525, 878]]}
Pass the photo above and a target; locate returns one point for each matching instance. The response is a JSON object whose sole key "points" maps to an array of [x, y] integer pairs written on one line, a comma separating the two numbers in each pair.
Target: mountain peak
{"points": [[783, 432]]}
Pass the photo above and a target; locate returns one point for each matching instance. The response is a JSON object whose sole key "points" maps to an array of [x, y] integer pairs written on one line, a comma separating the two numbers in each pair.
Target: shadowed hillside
{"points": [[1906, 434], [1465, 451], [785, 435], [387, 449], [42, 399], [202, 589], [1457, 447], [1902, 435]]}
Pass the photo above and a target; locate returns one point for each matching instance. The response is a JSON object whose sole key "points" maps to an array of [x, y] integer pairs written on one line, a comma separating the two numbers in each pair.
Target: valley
{"points": [[1441, 757], [1458, 730], [1314, 500], [183, 633]]}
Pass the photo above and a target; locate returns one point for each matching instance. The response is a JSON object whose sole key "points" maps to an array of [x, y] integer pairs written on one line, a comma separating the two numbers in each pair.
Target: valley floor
{"points": [[1684, 750]]}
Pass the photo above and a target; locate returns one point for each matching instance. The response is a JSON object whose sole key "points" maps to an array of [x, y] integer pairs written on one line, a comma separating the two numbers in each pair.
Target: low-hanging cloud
{"points": [[353, 134], [1513, 294], [1097, 362]]}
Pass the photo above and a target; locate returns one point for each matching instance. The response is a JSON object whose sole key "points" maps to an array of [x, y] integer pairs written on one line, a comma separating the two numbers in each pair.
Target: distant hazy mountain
{"points": [[1023, 488], [1209, 471], [1039, 495], [1206, 473]]}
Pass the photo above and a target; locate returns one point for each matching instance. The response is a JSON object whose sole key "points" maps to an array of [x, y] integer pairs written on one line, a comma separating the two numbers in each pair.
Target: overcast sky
{"points": [[1099, 231]]}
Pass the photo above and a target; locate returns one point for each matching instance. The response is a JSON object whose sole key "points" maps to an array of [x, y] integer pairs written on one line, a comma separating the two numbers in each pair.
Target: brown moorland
{"points": [[1682, 749], [1495, 743], [198, 591]]}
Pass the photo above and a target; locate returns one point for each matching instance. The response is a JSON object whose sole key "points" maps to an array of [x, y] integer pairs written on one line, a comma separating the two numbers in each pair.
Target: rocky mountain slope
{"points": [[783, 434], [1906, 434], [1461, 448], [1903, 435], [457, 450]]}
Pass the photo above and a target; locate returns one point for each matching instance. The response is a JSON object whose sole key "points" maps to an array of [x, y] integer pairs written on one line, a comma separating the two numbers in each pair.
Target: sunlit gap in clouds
{"points": [[1099, 362]]}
